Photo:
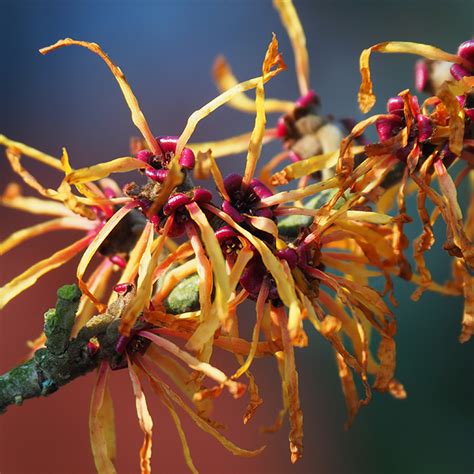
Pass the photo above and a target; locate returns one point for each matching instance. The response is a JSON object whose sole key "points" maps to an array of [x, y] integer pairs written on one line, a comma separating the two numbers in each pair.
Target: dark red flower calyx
{"points": [[159, 163], [289, 255], [253, 277], [245, 200], [229, 241], [176, 207], [465, 51]]}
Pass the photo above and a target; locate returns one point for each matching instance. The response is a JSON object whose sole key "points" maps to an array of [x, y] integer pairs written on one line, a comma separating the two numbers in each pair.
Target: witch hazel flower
{"points": [[304, 132], [245, 200], [88, 213], [234, 251], [158, 169], [176, 207], [389, 126], [230, 242], [444, 138]]}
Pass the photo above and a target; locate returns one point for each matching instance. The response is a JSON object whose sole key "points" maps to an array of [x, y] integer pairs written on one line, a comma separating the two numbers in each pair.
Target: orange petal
{"points": [[209, 320], [297, 194], [204, 424], [13, 199], [62, 194], [102, 170], [166, 400], [61, 223], [217, 175], [272, 58], [31, 152], [284, 282], [148, 263], [94, 246], [220, 100], [102, 425], [212, 372], [243, 257], [366, 95], [305, 167], [261, 307], [29, 277], [387, 357], [291, 22], [181, 377], [131, 269], [137, 116], [468, 316], [349, 389], [225, 79], [99, 284], [290, 377], [144, 419], [216, 258], [173, 277]]}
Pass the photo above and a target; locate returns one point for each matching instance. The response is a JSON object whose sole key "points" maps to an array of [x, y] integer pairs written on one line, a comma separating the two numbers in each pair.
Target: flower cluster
{"points": [[182, 259]]}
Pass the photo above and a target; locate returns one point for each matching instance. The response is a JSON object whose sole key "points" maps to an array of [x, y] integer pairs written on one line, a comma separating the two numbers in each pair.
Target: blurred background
{"points": [[166, 49]]}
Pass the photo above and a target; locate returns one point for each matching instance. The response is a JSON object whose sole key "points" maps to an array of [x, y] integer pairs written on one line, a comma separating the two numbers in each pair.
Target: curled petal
{"points": [[349, 389], [448, 94], [131, 269], [29, 277], [220, 100], [272, 59], [261, 308], [467, 329], [225, 79], [256, 139], [63, 193], [217, 175], [366, 96], [290, 379], [31, 152], [137, 116], [265, 224], [209, 321], [387, 357], [243, 258], [179, 375], [98, 283]]}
